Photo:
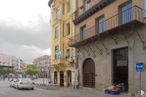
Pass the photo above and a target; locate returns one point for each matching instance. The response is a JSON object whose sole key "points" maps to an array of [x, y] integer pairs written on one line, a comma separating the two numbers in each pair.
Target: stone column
{"points": [[65, 79], [52, 76], [58, 78]]}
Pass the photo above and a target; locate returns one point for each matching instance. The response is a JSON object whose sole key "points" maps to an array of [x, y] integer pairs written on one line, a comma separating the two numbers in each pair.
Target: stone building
{"points": [[62, 29], [43, 63], [10, 61], [110, 38]]}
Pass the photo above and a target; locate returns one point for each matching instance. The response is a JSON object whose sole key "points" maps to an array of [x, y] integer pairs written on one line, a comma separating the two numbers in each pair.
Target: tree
{"points": [[6, 70], [31, 70]]}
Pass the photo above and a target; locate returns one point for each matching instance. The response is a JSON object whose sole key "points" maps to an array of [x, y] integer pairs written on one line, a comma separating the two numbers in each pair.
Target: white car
{"points": [[12, 82], [24, 83]]}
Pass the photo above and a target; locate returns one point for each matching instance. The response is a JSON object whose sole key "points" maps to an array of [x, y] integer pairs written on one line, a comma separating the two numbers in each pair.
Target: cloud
{"points": [[26, 42], [24, 28]]}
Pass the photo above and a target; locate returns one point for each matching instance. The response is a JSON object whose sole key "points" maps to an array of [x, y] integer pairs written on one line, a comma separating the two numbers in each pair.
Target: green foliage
{"points": [[31, 69], [6, 70]]}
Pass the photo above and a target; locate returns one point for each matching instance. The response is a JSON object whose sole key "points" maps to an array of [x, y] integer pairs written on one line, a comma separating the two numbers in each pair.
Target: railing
{"points": [[134, 13], [84, 8], [91, 6]]}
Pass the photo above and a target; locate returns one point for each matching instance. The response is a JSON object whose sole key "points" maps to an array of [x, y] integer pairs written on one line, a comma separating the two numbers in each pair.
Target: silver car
{"points": [[24, 83]]}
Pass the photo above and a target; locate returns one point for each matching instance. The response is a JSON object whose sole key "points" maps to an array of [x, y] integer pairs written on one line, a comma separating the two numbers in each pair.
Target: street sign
{"points": [[140, 66], [58, 53]]}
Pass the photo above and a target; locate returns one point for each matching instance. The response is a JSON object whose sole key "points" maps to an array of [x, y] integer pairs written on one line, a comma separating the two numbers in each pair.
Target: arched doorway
{"points": [[89, 73], [61, 78], [69, 78], [55, 77]]}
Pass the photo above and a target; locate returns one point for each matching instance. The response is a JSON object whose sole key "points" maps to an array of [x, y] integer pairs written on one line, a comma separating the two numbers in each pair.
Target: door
{"points": [[126, 12], [69, 78], [89, 73], [120, 67], [84, 33], [55, 77], [61, 78]]}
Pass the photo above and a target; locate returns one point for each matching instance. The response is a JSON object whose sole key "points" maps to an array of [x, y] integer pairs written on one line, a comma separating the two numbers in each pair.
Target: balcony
{"points": [[84, 12], [121, 22]]}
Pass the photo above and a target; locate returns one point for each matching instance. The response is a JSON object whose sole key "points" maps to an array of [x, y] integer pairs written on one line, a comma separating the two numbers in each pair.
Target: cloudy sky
{"points": [[24, 28]]}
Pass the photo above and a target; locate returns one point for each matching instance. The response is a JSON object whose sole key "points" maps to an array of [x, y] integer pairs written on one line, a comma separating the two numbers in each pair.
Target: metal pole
{"points": [[140, 84], [43, 78]]}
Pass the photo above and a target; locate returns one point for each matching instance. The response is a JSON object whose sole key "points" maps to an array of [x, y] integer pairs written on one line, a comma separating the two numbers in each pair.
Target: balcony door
{"points": [[84, 32], [100, 25], [126, 12], [86, 5]]}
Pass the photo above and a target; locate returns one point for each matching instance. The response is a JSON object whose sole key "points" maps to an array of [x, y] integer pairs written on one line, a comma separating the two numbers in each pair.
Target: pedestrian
{"points": [[49, 81]]}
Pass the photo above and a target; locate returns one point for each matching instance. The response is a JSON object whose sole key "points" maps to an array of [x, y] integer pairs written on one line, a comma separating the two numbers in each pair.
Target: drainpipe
{"points": [[133, 88]]}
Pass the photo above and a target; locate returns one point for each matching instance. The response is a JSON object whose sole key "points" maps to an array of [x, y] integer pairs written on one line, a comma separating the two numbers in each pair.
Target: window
{"points": [[145, 8], [100, 24], [126, 12], [57, 12], [68, 28], [63, 27], [84, 32], [67, 53], [56, 32], [68, 6], [56, 48], [86, 5], [63, 8]]}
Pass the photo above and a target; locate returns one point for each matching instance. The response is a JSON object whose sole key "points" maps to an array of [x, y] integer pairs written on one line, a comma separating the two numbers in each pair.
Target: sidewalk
{"points": [[41, 81], [88, 92], [81, 92]]}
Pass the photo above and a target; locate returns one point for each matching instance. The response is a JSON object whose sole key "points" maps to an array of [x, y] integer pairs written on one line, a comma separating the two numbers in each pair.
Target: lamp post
{"points": [[43, 76]]}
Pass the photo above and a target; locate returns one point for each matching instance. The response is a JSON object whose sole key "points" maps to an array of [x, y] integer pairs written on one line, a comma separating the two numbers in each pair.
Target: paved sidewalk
{"points": [[81, 92], [85, 92], [41, 81]]}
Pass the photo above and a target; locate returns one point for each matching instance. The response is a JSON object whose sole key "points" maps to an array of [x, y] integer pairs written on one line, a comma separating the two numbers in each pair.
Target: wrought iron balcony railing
{"points": [[133, 15], [91, 7]]}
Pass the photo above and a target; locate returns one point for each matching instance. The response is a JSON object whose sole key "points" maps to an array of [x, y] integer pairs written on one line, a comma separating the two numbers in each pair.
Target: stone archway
{"points": [[89, 73]]}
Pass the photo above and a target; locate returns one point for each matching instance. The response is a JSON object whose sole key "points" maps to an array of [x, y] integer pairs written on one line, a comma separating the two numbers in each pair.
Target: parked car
{"points": [[24, 83], [12, 82]]}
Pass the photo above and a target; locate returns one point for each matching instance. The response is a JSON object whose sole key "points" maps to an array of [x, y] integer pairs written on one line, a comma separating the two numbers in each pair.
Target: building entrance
{"points": [[61, 78], [89, 73], [120, 67]]}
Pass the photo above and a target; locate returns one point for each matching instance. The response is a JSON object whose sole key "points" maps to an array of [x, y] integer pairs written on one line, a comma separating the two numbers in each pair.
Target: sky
{"points": [[24, 28]]}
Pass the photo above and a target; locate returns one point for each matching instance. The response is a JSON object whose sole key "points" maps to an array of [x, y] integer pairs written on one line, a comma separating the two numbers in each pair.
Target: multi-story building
{"points": [[5, 60], [110, 36], [11, 62], [62, 29], [43, 63]]}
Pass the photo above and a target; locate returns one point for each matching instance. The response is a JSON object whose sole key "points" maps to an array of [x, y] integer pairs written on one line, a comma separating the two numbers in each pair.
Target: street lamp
{"points": [[43, 76]]}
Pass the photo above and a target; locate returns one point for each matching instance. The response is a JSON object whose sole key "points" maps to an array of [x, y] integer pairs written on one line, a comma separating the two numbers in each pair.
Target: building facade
{"points": [[110, 38], [11, 62], [43, 63], [62, 29]]}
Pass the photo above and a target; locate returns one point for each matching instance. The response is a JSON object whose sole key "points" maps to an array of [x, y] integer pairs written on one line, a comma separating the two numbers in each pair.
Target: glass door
{"points": [[126, 13]]}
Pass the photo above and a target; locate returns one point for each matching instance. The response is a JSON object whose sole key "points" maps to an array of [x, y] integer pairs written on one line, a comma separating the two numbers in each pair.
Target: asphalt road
{"points": [[6, 91]]}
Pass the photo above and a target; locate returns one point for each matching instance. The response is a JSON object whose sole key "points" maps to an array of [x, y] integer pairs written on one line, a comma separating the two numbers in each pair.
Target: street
{"points": [[6, 91]]}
